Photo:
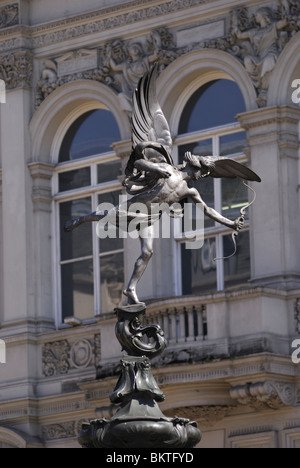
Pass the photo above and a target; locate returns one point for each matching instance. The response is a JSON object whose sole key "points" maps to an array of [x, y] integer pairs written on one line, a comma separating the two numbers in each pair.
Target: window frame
{"points": [[216, 231], [92, 191]]}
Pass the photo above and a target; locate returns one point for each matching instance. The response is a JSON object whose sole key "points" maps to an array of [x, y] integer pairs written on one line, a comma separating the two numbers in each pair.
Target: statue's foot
{"points": [[71, 224], [130, 293]]}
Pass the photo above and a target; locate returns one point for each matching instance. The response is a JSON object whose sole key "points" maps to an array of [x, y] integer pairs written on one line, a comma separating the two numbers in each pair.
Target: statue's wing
{"points": [[150, 128], [228, 168]]}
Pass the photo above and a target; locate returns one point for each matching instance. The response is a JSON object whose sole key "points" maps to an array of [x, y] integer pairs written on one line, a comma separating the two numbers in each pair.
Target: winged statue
{"points": [[152, 178]]}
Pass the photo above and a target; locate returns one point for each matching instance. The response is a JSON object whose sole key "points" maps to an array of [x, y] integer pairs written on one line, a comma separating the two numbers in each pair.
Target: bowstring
{"points": [[242, 215]]}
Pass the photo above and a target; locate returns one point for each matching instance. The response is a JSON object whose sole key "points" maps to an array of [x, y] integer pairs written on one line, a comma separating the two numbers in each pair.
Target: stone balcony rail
{"points": [[181, 324]]}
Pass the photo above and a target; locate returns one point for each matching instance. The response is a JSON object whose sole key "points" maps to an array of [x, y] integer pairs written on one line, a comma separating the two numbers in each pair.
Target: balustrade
{"points": [[180, 324]]}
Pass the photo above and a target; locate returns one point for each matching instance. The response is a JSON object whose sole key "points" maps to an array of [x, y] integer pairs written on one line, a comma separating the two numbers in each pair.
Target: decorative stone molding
{"points": [[41, 174], [266, 439], [16, 69], [207, 414], [64, 430], [106, 19], [59, 357], [56, 358], [122, 63], [277, 124], [81, 353], [122, 149], [297, 314], [261, 395], [255, 36], [9, 15]]}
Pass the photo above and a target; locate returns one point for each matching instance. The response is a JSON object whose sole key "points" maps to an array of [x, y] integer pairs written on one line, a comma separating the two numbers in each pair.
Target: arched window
{"points": [[90, 271], [208, 127]]}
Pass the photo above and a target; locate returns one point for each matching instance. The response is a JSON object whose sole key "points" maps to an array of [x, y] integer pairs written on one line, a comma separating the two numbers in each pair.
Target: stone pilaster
{"points": [[1, 252], [41, 175], [1, 186], [273, 142]]}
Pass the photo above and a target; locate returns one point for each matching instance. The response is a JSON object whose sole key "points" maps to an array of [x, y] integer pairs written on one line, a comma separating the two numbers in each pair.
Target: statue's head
{"points": [[264, 16], [197, 167], [135, 50]]}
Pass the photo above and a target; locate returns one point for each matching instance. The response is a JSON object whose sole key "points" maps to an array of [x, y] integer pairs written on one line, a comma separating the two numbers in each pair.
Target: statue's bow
{"points": [[242, 215]]}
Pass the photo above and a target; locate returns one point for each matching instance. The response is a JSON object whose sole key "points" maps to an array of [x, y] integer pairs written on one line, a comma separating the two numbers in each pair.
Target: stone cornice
{"points": [[236, 371], [269, 115], [238, 294], [100, 20]]}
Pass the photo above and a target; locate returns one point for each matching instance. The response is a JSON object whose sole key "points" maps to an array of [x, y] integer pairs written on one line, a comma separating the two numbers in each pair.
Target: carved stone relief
{"points": [[59, 357], [262, 395], [16, 69], [297, 314], [256, 37], [9, 15], [121, 64], [56, 358], [64, 430], [207, 414]]}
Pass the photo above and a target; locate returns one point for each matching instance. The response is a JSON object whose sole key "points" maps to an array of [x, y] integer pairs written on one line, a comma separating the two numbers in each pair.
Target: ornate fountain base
{"points": [[139, 422]]}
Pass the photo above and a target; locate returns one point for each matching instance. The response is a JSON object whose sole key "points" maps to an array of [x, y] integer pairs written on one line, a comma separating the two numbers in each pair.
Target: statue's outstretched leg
{"points": [[72, 224], [146, 239]]}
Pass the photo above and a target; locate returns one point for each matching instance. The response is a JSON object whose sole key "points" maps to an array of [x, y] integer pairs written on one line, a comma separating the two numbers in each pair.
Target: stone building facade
{"points": [[229, 85]]}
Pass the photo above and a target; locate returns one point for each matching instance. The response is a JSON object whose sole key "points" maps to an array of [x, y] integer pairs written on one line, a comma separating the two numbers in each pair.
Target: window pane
{"points": [[199, 268], [109, 171], [77, 284], [237, 268], [112, 281], [79, 242], [206, 189], [74, 179], [231, 144], [216, 103], [91, 134], [204, 186], [234, 197], [108, 244]]}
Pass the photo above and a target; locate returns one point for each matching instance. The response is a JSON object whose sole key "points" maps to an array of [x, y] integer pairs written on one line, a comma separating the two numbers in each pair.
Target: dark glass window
{"points": [[86, 264], [216, 103], [199, 268], [77, 280], [232, 144], [74, 179], [89, 135], [79, 243], [109, 171], [237, 268], [234, 197], [110, 244], [112, 280]]}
